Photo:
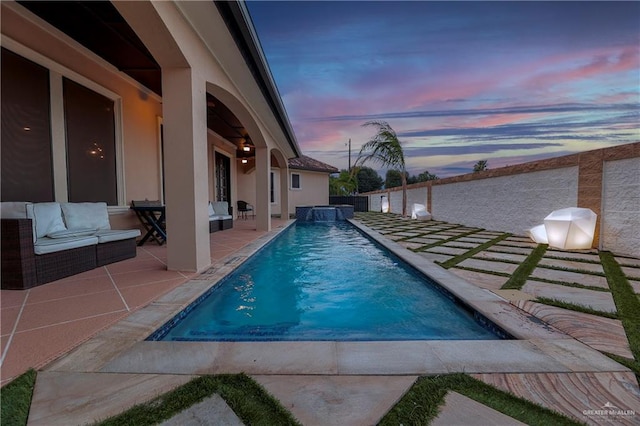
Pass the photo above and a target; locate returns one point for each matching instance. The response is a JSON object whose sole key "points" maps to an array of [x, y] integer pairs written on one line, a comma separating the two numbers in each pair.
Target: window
{"points": [[27, 162], [295, 181], [272, 193], [46, 109], [91, 151]]}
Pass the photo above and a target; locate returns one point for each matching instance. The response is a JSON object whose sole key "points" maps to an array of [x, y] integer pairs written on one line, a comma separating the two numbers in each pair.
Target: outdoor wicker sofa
{"points": [[220, 216], [43, 242]]}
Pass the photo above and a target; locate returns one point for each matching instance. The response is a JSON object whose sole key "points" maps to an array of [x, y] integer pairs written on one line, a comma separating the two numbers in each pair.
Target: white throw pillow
{"points": [[47, 218], [211, 211], [86, 215]]}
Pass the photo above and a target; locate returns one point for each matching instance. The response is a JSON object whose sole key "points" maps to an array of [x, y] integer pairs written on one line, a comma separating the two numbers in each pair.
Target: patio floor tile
{"points": [[460, 410], [499, 247], [580, 255], [580, 266], [337, 400], [489, 281], [82, 398], [8, 318], [628, 261], [500, 256], [128, 279], [141, 295], [448, 250], [59, 311], [603, 334], [62, 289], [148, 264], [570, 277], [488, 265], [13, 298], [631, 272], [598, 300], [35, 348], [575, 393]]}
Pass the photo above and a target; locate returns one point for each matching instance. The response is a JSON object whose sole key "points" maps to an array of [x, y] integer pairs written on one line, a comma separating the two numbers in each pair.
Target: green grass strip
{"points": [[631, 364], [419, 406], [570, 284], [454, 261], [577, 308], [447, 240], [251, 403], [16, 399], [482, 271], [520, 275], [574, 270], [626, 301]]}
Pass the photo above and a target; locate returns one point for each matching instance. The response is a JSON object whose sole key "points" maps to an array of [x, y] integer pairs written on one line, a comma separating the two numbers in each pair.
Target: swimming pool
{"points": [[323, 281]]}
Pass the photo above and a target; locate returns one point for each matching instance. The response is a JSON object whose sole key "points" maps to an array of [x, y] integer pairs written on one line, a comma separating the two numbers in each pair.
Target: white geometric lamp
{"points": [[538, 234], [419, 211], [572, 228], [385, 204]]}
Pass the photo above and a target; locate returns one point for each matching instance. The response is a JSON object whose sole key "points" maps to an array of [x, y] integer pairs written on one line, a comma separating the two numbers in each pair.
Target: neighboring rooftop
{"points": [[307, 163]]}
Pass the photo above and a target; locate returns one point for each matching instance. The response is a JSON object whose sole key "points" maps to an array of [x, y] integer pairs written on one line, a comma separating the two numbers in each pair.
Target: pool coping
{"points": [[122, 348]]}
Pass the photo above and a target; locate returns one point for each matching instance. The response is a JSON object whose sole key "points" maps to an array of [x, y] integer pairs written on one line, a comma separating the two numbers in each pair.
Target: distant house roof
{"points": [[307, 163]]}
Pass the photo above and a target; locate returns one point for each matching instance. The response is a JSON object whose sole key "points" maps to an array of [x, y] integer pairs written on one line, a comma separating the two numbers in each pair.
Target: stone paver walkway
{"points": [[557, 363]]}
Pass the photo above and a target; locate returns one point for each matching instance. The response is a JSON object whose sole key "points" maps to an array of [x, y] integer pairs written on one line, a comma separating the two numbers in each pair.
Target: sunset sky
{"points": [[506, 82]]}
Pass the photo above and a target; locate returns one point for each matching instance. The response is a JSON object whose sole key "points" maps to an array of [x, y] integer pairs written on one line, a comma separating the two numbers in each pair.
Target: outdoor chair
{"points": [[244, 208]]}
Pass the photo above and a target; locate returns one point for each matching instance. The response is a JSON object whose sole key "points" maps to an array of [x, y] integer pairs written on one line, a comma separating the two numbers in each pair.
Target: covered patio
{"points": [[42, 323], [173, 101]]}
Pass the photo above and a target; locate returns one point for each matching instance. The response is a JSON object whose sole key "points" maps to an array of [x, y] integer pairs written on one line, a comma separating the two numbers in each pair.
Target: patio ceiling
{"points": [[99, 27]]}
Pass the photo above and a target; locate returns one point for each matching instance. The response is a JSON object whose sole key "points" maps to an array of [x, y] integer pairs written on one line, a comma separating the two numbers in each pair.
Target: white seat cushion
{"points": [[52, 245], [47, 218], [72, 233], [220, 208], [108, 235], [220, 217], [86, 215]]}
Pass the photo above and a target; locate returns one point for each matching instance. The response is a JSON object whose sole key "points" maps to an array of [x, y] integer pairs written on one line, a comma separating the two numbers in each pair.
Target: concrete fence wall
{"points": [[620, 222], [515, 198]]}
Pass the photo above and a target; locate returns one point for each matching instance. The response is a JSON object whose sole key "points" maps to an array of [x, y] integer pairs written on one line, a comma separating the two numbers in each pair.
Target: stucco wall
{"points": [[314, 189], [515, 198], [507, 203], [416, 196], [620, 225]]}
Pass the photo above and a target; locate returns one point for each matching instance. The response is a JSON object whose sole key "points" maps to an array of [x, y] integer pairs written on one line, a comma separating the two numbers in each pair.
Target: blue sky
{"points": [[506, 82]]}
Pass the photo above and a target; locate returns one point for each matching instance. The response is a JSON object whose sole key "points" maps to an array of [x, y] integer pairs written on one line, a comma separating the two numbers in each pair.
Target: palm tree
{"points": [[480, 166], [385, 148]]}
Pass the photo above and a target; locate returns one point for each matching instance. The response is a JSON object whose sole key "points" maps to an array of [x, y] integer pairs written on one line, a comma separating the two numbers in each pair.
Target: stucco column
{"points": [[263, 189], [284, 193], [185, 169]]}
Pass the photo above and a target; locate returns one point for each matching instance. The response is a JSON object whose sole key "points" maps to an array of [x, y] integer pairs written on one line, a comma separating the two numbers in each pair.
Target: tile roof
{"points": [[307, 163]]}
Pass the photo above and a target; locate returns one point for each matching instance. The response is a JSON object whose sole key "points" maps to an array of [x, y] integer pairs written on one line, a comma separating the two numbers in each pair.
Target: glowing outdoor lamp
{"points": [[538, 234], [419, 211], [572, 228], [384, 202]]}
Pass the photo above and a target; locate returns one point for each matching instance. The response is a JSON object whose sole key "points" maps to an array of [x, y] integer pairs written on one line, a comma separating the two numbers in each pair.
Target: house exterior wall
{"points": [[314, 189], [139, 113], [621, 206], [515, 198]]}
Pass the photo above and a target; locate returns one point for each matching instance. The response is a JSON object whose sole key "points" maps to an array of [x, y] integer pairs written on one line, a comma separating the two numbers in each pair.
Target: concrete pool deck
{"points": [[358, 382]]}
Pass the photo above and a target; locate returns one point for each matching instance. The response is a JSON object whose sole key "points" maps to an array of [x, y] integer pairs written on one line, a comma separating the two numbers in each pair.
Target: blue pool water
{"points": [[324, 281]]}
